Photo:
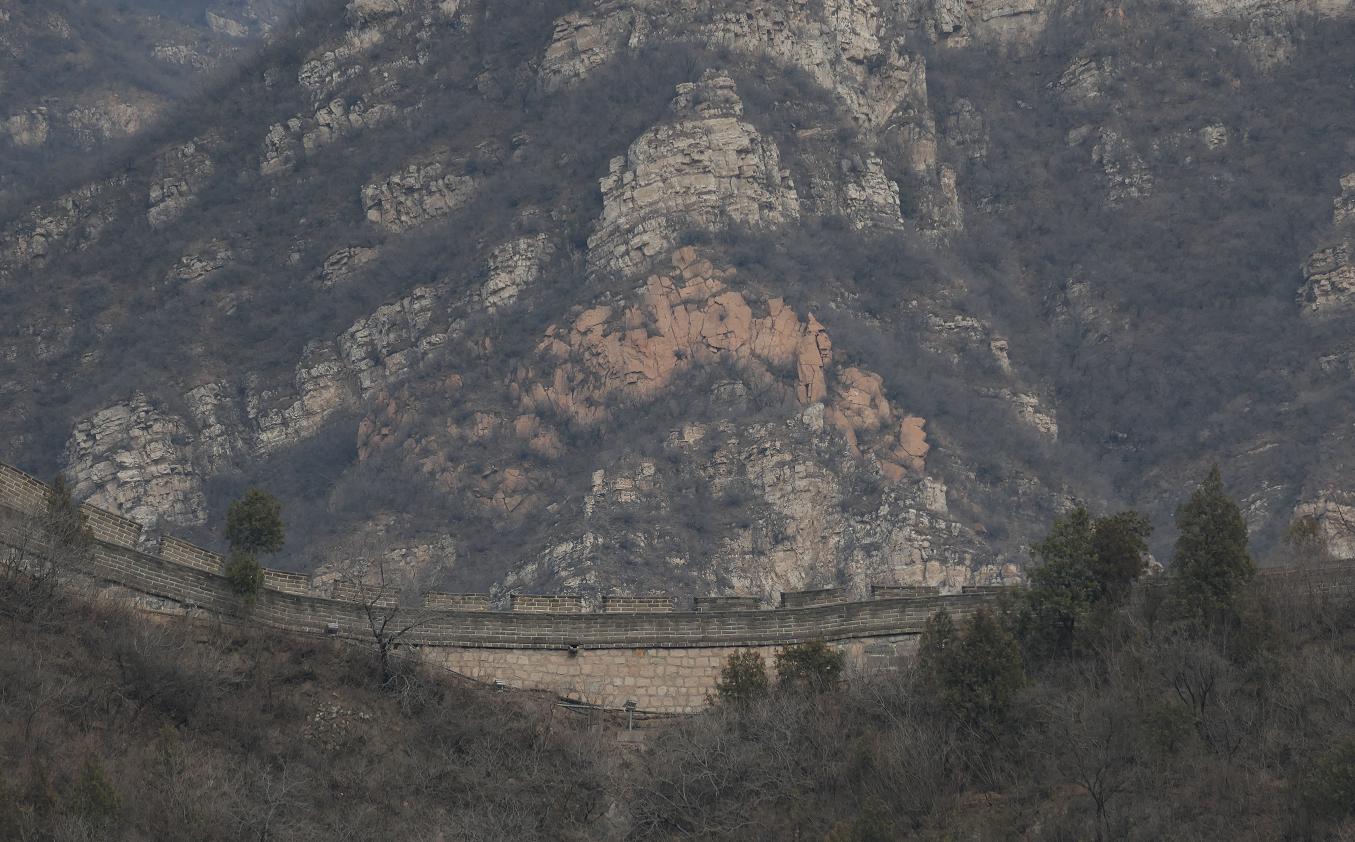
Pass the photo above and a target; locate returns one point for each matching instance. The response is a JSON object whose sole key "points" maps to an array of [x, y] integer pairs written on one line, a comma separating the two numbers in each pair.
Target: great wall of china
{"points": [[633, 649]]}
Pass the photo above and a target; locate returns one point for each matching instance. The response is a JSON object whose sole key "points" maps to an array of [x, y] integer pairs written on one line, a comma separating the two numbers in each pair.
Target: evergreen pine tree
{"points": [[743, 678], [937, 634], [811, 665], [1120, 551], [39, 796], [1064, 586], [94, 800], [1210, 560], [253, 525], [977, 674], [244, 574]]}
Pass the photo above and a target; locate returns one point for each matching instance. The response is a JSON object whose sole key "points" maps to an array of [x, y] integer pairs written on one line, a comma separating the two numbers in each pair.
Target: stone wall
{"points": [[173, 549], [725, 603], [534, 603], [282, 580], [456, 601], [107, 526], [634, 648], [636, 604], [808, 599], [22, 492], [362, 594], [657, 678], [896, 591]]}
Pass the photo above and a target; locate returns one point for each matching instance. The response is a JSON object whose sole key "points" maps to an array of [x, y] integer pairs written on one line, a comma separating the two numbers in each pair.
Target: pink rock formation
{"points": [[695, 319]]}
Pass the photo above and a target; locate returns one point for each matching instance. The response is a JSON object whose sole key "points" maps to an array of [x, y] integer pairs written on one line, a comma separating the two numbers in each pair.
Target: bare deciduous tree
{"points": [[39, 551], [391, 600]]}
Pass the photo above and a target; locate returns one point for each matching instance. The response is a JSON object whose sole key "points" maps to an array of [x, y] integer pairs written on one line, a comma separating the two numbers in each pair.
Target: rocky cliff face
{"points": [[81, 78], [704, 171], [1328, 274], [803, 518], [843, 46], [801, 526], [724, 298], [129, 459]]}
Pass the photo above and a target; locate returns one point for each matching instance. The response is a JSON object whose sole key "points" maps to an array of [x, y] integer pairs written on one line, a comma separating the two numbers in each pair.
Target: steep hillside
{"points": [[719, 297], [82, 77]]}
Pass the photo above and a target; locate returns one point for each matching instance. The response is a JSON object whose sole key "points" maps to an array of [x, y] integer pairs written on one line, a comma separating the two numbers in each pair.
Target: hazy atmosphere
{"points": [[1002, 348]]}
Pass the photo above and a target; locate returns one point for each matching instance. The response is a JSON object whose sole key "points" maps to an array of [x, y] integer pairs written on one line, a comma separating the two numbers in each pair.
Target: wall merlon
{"points": [[183, 552], [637, 604], [456, 601], [725, 603], [807, 599], [286, 581], [356, 592], [537, 603], [898, 591], [109, 527]]}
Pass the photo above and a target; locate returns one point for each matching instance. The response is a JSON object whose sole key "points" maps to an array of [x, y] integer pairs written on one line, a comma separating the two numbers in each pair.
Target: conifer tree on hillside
{"points": [[1210, 560], [94, 800], [1120, 544], [743, 678], [972, 674], [1064, 586], [1084, 564], [253, 525]]}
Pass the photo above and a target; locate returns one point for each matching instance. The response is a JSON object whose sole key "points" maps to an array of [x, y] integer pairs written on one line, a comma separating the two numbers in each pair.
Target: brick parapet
{"points": [[725, 603], [635, 647], [287, 581], [174, 549], [109, 527], [359, 593], [545, 604], [637, 604], [434, 601], [163, 578], [896, 591], [807, 599], [22, 492]]}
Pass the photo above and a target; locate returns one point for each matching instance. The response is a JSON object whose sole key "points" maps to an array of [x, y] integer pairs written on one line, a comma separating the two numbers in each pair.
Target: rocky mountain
{"points": [[82, 78], [717, 297]]}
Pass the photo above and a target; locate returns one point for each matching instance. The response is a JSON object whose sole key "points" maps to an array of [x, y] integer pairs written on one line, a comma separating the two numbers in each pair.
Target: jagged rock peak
{"points": [[705, 170], [714, 95]]}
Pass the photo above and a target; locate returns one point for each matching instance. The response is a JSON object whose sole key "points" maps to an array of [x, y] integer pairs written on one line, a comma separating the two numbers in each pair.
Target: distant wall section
{"points": [[635, 648]]}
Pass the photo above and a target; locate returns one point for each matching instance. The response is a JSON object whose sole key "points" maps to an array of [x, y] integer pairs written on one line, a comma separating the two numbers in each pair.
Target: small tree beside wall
{"points": [[253, 525]]}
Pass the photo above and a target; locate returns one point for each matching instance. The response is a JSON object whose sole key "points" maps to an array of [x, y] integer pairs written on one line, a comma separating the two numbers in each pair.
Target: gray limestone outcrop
{"points": [[843, 45], [419, 193], [513, 268], [179, 175], [127, 459], [705, 169], [1329, 272], [802, 528]]}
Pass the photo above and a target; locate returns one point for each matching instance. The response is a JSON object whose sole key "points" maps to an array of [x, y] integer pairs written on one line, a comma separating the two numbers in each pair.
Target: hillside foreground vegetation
{"points": [[1153, 716]]}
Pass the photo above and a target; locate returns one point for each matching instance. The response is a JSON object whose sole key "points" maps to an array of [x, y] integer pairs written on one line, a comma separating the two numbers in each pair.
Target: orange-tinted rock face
{"points": [[692, 319], [680, 321]]}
